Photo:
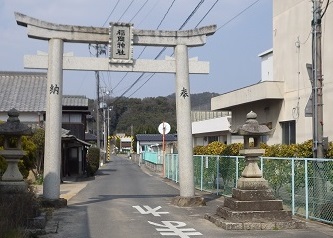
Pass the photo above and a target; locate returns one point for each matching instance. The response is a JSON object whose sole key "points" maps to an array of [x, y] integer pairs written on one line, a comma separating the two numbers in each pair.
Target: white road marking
{"points": [[150, 210], [172, 228]]}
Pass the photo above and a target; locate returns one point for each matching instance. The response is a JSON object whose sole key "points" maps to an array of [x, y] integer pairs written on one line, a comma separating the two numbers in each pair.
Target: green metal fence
{"points": [[304, 184]]}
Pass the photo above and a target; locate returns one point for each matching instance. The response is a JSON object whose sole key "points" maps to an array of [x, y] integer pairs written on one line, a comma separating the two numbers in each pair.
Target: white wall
{"points": [[26, 117], [267, 65], [292, 50]]}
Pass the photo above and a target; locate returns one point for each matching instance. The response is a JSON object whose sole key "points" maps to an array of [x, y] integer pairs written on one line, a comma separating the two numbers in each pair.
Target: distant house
{"points": [[150, 147], [26, 92], [154, 143], [74, 111], [125, 144], [209, 126]]}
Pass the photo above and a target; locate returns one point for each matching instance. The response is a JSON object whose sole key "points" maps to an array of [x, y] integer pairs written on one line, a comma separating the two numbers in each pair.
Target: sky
{"points": [[244, 31]]}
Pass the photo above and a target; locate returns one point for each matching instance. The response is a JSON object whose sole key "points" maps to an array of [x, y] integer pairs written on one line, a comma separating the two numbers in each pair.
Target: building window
{"points": [[288, 132], [71, 118], [212, 139]]}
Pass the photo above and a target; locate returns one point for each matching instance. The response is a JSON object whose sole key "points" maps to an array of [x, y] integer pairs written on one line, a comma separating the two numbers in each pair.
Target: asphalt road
{"points": [[125, 202]]}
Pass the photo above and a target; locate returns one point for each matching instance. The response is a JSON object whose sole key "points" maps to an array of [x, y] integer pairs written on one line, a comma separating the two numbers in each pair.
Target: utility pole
{"points": [[97, 104], [131, 139], [317, 119], [318, 149], [99, 50]]}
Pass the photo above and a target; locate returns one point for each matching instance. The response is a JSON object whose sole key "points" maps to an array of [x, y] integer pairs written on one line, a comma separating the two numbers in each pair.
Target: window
{"points": [[71, 118], [212, 139], [288, 132]]}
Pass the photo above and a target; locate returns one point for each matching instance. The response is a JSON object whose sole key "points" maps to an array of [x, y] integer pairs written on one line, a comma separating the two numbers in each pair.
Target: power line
{"points": [[114, 8], [142, 85], [164, 48], [129, 5], [163, 18], [165, 14], [237, 15], [120, 81], [161, 51], [207, 13], [233, 18], [192, 13], [138, 11], [156, 3]]}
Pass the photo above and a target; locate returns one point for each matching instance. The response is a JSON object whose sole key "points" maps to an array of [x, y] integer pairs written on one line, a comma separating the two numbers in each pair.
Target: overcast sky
{"points": [[232, 51]]}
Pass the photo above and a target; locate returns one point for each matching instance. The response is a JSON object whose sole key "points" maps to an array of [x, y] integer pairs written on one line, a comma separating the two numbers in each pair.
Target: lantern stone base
{"points": [[13, 187], [253, 209], [268, 225], [252, 183]]}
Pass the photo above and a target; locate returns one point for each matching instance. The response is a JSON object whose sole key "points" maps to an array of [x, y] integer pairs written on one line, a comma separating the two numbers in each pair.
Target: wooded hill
{"points": [[145, 115]]}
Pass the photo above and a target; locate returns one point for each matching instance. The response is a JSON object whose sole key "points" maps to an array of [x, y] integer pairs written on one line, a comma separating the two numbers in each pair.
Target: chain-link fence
{"points": [[304, 184]]}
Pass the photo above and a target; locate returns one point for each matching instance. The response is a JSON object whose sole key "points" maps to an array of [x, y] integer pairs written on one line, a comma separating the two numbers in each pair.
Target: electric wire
{"points": [[156, 3], [192, 13], [237, 15], [114, 8], [322, 15], [129, 5], [233, 18], [139, 10], [196, 8], [119, 20], [167, 12], [164, 48], [207, 13], [161, 21], [308, 37]]}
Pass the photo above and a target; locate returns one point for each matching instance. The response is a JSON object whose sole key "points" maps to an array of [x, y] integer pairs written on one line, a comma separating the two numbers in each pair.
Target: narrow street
{"points": [[125, 202]]}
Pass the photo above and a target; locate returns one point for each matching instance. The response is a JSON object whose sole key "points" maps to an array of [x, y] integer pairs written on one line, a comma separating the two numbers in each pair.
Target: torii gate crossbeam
{"points": [[55, 62]]}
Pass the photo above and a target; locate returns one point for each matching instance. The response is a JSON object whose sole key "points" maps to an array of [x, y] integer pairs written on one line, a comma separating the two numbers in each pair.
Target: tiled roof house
{"points": [[26, 92]]}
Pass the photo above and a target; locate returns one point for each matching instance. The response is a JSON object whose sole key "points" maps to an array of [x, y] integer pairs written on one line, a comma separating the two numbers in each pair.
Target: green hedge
{"points": [[93, 158], [302, 150]]}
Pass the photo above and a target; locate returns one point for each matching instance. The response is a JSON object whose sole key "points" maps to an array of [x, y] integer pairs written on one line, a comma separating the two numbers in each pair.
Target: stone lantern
{"points": [[252, 205], [252, 175], [13, 129]]}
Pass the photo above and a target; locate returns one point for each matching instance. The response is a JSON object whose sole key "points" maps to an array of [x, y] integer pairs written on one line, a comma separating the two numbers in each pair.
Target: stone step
{"points": [[260, 205], [268, 225], [253, 216]]}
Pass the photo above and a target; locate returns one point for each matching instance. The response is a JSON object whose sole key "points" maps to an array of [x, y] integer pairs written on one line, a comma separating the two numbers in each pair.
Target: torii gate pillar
{"points": [[55, 63], [51, 184], [184, 126]]}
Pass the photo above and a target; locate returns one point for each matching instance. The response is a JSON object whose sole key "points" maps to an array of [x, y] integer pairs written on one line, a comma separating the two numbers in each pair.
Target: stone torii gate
{"points": [[55, 62]]}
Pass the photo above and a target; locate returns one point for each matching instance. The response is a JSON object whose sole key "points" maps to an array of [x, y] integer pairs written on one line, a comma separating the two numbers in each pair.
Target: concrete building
{"points": [[280, 99], [207, 131]]}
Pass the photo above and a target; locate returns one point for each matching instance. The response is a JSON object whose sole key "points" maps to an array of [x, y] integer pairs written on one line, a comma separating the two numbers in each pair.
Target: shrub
{"points": [[233, 149], [93, 158], [3, 166], [16, 211], [199, 150], [215, 148]]}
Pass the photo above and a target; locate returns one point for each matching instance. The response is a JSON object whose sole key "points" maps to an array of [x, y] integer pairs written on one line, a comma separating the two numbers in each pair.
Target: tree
{"points": [[39, 139]]}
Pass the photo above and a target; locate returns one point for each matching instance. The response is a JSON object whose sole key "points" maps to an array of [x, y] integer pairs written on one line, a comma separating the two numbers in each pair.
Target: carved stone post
{"points": [[12, 179]]}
